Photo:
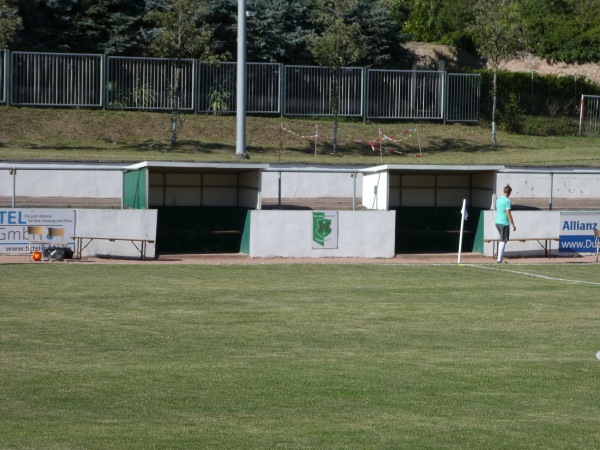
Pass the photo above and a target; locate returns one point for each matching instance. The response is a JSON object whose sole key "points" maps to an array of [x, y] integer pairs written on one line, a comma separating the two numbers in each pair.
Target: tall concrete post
{"points": [[240, 140]]}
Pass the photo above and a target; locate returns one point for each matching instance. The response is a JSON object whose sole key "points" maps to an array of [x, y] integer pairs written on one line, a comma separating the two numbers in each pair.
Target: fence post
{"points": [[445, 83], [3, 53], [281, 90], [195, 83], [104, 82], [8, 72], [581, 104], [365, 99]]}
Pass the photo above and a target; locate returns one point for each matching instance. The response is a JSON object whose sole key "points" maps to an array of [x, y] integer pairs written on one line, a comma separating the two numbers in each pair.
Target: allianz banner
{"points": [[577, 231]]}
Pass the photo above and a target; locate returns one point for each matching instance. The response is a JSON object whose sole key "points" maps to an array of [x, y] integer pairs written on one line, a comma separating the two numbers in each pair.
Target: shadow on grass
{"points": [[456, 145], [181, 146]]}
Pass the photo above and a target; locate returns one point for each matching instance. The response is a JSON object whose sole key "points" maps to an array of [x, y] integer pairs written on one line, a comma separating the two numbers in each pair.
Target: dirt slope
{"points": [[432, 56]]}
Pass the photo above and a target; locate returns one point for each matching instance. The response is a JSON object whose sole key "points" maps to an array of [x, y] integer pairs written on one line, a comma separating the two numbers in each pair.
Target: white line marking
{"points": [[545, 277]]}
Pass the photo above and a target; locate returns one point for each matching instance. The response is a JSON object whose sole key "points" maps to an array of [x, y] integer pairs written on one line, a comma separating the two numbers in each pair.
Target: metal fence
{"points": [[405, 94], [589, 115], [463, 98], [150, 83], [56, 79], [79, 80], [3, 72], [217, 88], [308, 91]]}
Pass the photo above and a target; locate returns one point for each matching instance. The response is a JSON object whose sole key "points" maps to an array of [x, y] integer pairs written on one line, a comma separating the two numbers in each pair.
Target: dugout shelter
{"points": [[201, 207], [427, 200]]}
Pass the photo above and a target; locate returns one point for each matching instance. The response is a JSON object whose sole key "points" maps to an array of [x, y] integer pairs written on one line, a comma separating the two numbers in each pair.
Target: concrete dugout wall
{"points": [[103, 224], [530, 224], [116, 223], [62, 185], [537, 230], [311, 182], [549, 183], [282, 233]]}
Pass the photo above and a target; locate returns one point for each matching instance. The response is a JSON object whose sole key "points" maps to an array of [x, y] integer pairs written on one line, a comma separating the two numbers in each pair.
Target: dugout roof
{"points": [[185, 184]]}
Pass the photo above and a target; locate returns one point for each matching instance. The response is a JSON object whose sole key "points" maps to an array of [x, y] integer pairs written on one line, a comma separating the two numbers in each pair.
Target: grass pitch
{"points": [[299, 356]]}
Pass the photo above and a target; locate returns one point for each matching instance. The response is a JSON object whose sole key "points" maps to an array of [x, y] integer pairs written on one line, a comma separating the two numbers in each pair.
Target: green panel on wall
{"points": [[193, 229], [478, 244], [245, 245], [134, 189], [434, 229]]}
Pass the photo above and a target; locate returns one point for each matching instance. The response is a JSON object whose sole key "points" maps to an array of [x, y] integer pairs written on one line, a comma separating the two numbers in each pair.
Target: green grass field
{"points": [[299, 356]]}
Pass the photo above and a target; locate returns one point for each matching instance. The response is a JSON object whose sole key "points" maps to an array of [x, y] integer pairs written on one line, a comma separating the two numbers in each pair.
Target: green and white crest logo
{"points": [[325, 229]]}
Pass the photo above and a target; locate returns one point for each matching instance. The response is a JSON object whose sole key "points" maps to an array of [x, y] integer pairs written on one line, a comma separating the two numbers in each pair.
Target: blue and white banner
{"points": [[577, 231], [14, 222]]}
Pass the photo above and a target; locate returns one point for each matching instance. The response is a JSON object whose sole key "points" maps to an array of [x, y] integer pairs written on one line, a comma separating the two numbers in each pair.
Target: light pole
{"points": [[240, 139]]}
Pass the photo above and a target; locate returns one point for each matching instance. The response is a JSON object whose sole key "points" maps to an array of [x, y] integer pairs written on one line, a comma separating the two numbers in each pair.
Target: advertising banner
{"points": [[325, 229], [14, 222], [577, 231]]}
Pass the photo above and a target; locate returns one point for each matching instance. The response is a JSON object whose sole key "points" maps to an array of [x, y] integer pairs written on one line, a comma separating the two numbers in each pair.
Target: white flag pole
{"points": [[463, 212]]}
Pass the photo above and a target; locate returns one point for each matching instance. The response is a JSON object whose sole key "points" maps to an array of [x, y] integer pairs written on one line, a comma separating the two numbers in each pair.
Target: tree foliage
{"points": [[563, 30], [111, 27], [499, 35], [46, 25], [10, 22], [439, 21], [338, 42], [180, 30], [380, 36], [277, 31], [559, 30]]}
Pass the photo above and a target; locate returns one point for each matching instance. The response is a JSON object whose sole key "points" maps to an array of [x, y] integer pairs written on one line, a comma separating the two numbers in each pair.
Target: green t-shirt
{"points": [[502, 205]]}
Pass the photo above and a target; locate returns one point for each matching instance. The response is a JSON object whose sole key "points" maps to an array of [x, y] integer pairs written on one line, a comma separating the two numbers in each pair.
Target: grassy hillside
{"points": [[97, 135]]}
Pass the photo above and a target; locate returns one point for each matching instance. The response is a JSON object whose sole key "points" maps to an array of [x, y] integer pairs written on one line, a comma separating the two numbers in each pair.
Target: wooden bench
{"points": [[79, 247], [546, 246]]}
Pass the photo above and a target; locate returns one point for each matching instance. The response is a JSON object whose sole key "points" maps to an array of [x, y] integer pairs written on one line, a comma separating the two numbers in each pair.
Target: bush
{"points": [[548, 126], [538, 94], [509, 118]]}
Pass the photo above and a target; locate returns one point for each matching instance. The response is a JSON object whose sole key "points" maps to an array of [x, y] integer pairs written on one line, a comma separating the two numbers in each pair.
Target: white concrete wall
{"points": [[62, 183], [375, 193], [116, 223], [530, 224], [544, 185], [281, 233], [310, 184]]}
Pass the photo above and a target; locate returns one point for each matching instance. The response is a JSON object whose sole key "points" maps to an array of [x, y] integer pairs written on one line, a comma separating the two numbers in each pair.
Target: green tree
{"points": [[180, 32], [440, 21], [110, 27], [422, 24], [499, 35], [337, 43], [562, 30], [47, 25], [454, 20], [277, 31], [380, 36], [10, 22]]}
